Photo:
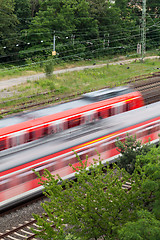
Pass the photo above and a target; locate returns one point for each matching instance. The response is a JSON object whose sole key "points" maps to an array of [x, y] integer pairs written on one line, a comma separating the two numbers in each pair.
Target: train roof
{"points": [[69, 139], [107, 93], [23, 117]]}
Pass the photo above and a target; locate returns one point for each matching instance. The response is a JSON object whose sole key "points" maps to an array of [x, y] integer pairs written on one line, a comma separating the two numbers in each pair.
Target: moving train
{"points": [[19, 182], [90, 108]]}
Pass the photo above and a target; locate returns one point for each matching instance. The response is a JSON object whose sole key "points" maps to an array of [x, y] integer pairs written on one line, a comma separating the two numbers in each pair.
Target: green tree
{"points": [[130, 149], [63, 19], [34, 7], [8, 28], [49, 68], [147, 227], [94, 205], [23, 13], [150, 164]]}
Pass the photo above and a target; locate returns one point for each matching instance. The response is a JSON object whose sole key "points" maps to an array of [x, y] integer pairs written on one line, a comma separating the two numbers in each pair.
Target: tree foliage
{"points": [[93, 206], [129, 150], [150, 164], [83, 29], [8, 23], [147, 227], [97, 204], [60, 18], [23, 13]]}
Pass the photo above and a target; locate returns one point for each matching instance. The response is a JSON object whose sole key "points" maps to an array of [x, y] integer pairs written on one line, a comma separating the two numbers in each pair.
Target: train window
{"points": [[58, 127], [50, 167], [111, 145], [144, 133], [83, 156], [26, 176], [14, 141], [149, 131], [22, 177], [127, 107], [4, 184], [133, 133], [50, 130], [87, 118], [26, 137], [22, 138], [18, 140], [2, 145], [82, 120], [45, 131], [103, 113], [155, 129], [37, 133], [31, 176], [70, 160], [74, 122], [109, 112], [40, 170], [88, 152], [31, 136], [139, 134], [91, 152], [10, 143], [105, 147]]}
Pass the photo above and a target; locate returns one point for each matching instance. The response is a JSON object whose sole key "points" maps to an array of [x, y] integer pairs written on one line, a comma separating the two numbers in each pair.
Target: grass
{"points": [[79, 81], [9, 71]]}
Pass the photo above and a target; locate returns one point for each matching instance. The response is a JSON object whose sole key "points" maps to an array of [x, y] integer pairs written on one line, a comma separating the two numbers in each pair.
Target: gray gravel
{"points": [[19, 216]]}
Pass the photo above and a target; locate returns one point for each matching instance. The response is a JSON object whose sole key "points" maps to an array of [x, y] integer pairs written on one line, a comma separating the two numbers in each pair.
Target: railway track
{"points": [[22, 231], [149, 86]]}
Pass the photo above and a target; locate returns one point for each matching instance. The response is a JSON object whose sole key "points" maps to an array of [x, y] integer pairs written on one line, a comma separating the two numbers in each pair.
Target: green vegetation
{"points": [[129, 150], [147, 227], [49, 68], [82, 29], [63, 85], [96, 206]]}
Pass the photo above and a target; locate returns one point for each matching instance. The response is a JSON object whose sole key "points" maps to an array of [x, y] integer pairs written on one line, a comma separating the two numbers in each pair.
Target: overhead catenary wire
{"points": [[67, 51], [62, 58], [67, 44]]}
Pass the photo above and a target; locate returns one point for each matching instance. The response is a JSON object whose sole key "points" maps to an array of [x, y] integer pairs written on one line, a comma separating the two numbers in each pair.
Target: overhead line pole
{"points": [[54, 45], [143, 37]]}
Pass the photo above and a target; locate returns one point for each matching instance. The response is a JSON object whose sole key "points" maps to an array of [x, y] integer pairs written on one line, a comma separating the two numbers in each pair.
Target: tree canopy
{"points": [[8, 26], [98, 205], [147, 227], [83, 29]]}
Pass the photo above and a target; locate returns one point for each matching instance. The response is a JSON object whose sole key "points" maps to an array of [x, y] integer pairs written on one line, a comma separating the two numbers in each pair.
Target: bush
{"points": [[49, 68]]}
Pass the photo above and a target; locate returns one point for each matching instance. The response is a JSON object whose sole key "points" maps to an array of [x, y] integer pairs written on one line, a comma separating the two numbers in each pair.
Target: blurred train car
{"points": [[18, 181], [91, 107]]}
